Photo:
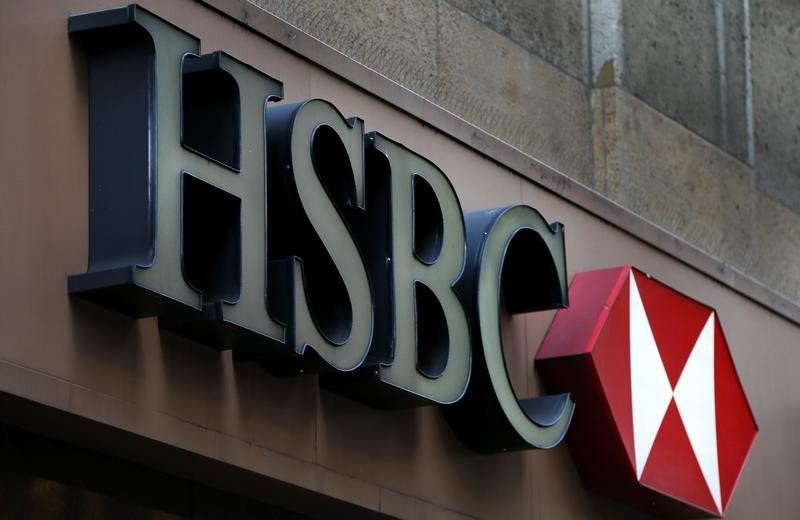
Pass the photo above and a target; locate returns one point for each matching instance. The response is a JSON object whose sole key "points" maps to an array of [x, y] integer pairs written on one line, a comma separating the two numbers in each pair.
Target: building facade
{"points": [[659, 135]]}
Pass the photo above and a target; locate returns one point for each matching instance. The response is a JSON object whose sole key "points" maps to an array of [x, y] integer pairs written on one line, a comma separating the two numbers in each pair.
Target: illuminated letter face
{"points": [[652, 370], [514, 256], [431, 356], [316, 198]]}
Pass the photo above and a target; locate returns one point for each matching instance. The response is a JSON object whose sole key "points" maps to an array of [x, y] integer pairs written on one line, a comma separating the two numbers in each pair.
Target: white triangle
{"points": [[695, 398], [651, 391]]}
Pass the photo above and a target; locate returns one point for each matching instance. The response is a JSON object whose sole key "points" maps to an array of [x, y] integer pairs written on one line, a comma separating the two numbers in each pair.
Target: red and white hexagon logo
{"points": [[661, 419]]}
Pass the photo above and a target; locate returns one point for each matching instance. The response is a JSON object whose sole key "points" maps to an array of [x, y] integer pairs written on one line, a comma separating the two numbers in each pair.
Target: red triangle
{"points": [[672, 467], [676, 321], [612, 359]]}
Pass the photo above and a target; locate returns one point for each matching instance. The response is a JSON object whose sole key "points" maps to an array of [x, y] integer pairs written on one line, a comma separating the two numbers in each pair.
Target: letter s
{"points": [[315, 192]]}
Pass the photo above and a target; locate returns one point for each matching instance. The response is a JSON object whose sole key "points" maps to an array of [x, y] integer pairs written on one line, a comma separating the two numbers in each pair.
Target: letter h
{"points": [[177, 162]]}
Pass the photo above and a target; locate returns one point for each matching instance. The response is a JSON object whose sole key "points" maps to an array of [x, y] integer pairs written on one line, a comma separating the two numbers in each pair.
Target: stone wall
{"points": [[776, 87], [682, 111]]}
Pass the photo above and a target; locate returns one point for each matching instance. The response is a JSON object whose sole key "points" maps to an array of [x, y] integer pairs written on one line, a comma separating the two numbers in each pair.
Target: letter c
{"points": [[512, 253]]}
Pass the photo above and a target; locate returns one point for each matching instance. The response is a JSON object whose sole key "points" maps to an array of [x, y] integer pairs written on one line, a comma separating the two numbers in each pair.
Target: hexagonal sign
{"points": [[661, 419]]}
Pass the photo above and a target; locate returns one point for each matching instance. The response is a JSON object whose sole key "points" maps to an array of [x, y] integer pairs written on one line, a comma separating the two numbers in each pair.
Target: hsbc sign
{"points": [[654, 367], [285, 233]]}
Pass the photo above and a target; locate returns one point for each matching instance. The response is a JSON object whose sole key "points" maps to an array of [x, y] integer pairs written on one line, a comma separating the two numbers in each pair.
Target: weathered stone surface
{"points": [[499, 86], [675, 69], [685, 58], [654, 167], [671, 60], [397, 39], [667, 174], [555, 30], [777, 246], [449, 57], [776, 111]]}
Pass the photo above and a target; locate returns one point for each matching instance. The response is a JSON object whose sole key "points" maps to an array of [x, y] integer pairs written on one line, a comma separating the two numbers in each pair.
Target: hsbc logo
{"points": [[653, 373], [285, 233]]}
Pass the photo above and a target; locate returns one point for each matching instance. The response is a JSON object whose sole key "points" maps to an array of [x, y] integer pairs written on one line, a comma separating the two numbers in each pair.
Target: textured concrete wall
{"points": [[776, 89], [686, 59], [398, 39], [502, 88], [452, 59], [652, 165], [556, 31], [650, 102]]}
